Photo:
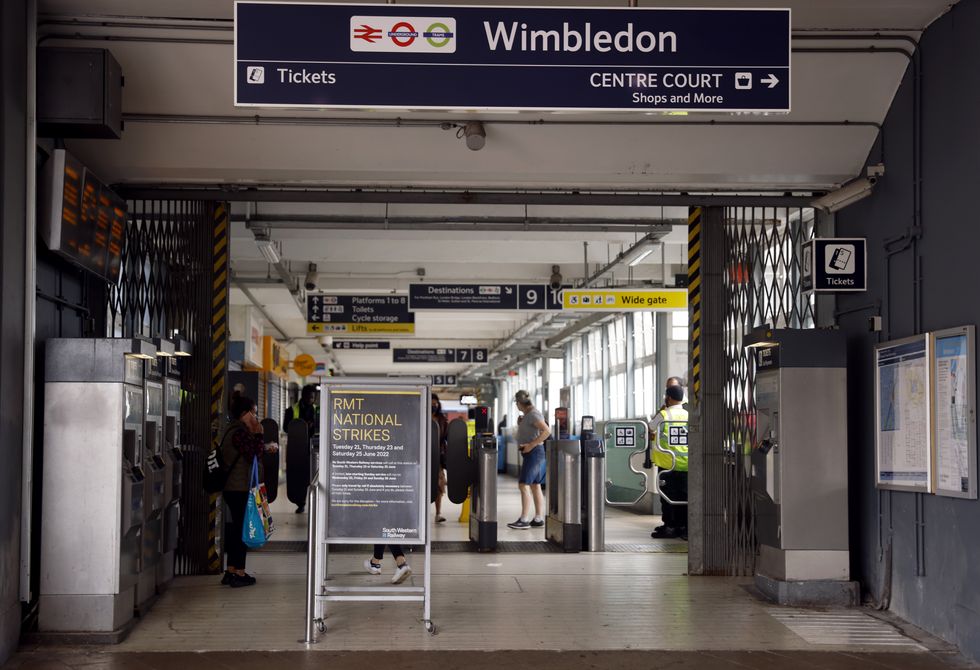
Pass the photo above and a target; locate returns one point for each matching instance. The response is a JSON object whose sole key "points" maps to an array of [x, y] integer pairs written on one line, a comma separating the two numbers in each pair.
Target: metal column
{"points": [[707, 551]]}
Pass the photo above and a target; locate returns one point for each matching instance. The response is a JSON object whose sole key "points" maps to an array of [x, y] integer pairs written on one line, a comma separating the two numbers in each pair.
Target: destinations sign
{"points": [[506, 58], [530, 297], [837, 265], [361, 345], [352, 314], [439, 355], [625, 299], [375, 465]]}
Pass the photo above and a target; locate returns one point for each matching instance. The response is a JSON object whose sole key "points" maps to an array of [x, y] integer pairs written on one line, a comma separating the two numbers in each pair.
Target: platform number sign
{"points": [[471, 355], [539, 297], [444, 380]]}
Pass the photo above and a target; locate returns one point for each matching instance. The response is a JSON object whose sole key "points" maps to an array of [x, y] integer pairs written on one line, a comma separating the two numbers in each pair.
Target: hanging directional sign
{"points": [[439, 355], [352, 314], [506, 58], [462, 296], [361, 345], [529, 297], [625, 299], [444, 380]]}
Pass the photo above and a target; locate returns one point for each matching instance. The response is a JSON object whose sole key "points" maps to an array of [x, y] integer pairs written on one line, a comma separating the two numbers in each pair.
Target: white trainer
{"points": [[402, 573], [371, 567]]}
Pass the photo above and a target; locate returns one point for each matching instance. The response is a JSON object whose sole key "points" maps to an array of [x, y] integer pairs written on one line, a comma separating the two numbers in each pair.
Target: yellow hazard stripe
{"points": [[694, 294], [219, 363]]}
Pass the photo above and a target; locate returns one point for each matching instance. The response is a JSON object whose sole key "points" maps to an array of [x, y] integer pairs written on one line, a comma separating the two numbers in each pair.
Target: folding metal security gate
{"points": [[165, 289], [744, 272]]}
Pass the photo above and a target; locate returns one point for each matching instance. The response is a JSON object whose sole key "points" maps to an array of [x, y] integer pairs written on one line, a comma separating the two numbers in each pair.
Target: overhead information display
{"points": [[954, 419], [507, 58], [375, 462], [903, 439], [81, 218], [352, 314]]}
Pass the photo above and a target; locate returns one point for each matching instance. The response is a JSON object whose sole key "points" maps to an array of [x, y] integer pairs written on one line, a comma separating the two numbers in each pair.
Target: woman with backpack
{"points": [[242, 443]]}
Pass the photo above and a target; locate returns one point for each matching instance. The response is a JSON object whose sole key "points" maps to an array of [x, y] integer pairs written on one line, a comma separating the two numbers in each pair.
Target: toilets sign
{"points": [[476, 58]]}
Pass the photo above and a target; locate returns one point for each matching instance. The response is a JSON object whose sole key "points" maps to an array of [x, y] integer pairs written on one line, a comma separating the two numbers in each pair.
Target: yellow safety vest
{"points": [[672, 429]]}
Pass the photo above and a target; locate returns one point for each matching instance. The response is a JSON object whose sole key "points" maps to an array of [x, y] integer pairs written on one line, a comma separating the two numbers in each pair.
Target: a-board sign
{"points": [[954, 393], [902, 421], [835, 265], [374, 453], [479, 58], [625, 299], [351, 314], [443, 355], [361, 345]]}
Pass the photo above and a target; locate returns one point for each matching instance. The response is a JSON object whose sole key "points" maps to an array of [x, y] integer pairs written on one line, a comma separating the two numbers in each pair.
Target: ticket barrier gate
{"points": [[93, 484], [471, 467], [563, 525], [576, 500], [631, 437]]}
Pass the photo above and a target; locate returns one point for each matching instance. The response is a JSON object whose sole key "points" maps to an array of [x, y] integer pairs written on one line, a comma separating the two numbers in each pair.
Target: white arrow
{"points": [[771, 80], [508, 290]]}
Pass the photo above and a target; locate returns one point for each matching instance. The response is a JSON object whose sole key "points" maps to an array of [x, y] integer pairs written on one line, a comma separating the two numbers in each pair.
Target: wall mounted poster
{"points": [[903, 435], [954, 412]]}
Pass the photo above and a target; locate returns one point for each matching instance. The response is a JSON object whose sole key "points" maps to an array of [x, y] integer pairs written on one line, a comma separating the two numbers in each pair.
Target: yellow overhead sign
{"points": [[358, 328], [619, 300]]}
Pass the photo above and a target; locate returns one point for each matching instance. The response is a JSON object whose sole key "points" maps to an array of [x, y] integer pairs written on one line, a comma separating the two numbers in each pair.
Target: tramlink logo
{"points": [[392, 34]]}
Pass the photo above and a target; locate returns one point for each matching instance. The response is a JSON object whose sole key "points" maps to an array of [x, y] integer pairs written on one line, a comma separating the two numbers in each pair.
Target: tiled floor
{"points": [[523, 610]]}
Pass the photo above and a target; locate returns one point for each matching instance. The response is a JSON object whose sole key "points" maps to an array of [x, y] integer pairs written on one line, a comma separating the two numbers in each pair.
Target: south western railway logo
{"points": [[429, 34]]}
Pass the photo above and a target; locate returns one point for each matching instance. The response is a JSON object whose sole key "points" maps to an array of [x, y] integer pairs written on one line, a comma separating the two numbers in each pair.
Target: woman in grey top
{"points": [[532, 431]]}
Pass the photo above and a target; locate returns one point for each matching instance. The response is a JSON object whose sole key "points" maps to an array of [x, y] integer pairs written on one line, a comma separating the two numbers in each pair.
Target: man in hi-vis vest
{"points": [[669, 429]]}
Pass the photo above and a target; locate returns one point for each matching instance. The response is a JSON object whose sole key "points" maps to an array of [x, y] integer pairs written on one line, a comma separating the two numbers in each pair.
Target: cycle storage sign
{"points": [[505, 58]]}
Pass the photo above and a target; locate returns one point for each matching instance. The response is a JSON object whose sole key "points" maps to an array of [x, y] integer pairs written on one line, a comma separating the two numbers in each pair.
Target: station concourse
{"points": [[704, 274]]}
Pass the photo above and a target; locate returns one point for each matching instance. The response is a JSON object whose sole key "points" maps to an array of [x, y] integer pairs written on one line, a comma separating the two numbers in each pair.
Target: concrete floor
{"points": [[540, 610]]}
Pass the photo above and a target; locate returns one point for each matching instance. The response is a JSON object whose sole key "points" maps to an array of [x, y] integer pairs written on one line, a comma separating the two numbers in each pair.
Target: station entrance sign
{"points": [[507, 58]]}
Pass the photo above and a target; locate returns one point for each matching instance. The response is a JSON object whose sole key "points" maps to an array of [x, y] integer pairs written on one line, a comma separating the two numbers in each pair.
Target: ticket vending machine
{"points": [[173, 457], [799, 467], [92, 484], [157, 472]]}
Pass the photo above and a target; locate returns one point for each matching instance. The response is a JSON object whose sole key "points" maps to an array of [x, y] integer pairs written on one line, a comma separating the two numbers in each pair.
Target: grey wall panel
{"points": [[934, 541], [13, 82]]}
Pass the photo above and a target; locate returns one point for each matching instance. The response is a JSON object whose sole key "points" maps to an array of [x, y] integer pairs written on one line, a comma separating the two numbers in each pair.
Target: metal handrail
{"points": [[312, 502]]}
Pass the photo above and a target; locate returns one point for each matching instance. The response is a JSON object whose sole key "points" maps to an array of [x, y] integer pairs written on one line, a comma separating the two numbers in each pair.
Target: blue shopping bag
{"points": [[254, 533]]}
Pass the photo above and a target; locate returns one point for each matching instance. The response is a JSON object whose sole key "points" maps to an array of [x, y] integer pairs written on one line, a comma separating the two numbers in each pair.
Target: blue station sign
{"points": [[506, 58]]}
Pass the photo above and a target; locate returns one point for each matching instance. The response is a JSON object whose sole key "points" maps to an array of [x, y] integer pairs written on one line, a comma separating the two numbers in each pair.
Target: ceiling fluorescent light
{"points": [[263, 240], [639, 258], [635, 254]]}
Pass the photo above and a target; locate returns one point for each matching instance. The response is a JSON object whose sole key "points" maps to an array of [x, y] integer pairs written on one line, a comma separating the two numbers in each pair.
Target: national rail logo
{"points": [[393, 34]]}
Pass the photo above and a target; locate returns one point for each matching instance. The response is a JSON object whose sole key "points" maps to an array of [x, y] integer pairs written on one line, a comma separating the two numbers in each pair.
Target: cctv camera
{"points": [[556, 278], [310, 282]]}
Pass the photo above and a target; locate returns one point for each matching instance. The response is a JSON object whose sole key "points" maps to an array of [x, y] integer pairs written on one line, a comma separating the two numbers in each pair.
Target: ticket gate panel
{"points": [[563, 525], [483, 499], [460, 468]]}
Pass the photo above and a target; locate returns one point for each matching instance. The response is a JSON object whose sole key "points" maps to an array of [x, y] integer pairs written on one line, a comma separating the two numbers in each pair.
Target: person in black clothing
{"points": [[306, 410], [242, 443], [440, 418]]}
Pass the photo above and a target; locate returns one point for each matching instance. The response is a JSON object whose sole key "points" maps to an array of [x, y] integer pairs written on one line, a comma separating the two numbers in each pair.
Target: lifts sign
{"points": [[511, 58]]}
